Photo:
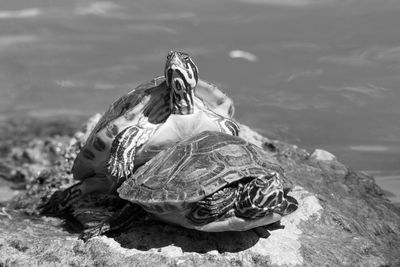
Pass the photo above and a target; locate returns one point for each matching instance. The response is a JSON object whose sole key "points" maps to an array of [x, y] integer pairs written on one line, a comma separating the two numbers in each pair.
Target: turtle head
{"points": [[181, 76], [263, 195]]}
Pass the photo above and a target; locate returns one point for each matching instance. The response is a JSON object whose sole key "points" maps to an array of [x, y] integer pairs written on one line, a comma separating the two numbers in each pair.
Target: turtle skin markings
{"points": [[210, 177], [118, 143], [213, 207]]}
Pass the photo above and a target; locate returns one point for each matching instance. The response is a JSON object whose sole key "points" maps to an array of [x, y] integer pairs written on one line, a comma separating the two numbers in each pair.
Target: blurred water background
{"points": [[320, 74]]}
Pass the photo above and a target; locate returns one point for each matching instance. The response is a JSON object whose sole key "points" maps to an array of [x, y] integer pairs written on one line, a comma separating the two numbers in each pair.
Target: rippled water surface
{"points": [[321, 74]]}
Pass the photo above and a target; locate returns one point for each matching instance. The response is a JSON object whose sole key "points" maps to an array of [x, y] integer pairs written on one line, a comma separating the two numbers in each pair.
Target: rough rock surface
{"points": [[343, 218]]}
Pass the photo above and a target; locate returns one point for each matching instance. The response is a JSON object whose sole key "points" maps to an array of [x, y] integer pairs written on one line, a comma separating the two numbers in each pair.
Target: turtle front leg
{"points": [[264, 231], [123, 150], [62, 200], [128, 216]]}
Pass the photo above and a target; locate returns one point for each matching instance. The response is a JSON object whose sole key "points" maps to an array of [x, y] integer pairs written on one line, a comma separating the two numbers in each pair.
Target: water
{"points": [[321, 74]]}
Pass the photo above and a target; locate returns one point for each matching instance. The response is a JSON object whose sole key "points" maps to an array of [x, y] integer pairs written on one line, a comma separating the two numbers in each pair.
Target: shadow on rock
{"points": [[159, 235], [146, 233]]}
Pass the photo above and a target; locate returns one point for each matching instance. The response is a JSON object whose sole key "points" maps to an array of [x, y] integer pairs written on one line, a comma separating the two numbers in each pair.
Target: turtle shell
{"points": [[124, 105], [126, 111], [213, 97], [195, 168]]}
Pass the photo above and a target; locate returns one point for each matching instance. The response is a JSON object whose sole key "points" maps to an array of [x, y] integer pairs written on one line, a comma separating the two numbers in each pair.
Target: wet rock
{"points": [[342, 220]]}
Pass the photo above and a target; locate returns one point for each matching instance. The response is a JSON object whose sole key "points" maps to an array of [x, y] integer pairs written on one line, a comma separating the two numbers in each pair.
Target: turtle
{"points": [[143, 122], [212, 182]]}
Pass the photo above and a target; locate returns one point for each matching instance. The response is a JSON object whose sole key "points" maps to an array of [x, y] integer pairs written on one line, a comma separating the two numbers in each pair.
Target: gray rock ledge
{"points": [[343, 218]]}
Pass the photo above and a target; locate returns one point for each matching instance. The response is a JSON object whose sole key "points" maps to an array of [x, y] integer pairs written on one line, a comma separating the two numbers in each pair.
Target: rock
{"points": [[322, 155], [250, 135], [342, 220], [6, 193]]}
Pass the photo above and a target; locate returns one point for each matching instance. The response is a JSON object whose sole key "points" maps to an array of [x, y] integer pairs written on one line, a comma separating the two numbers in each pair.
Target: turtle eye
{"points": [[184, 56]]}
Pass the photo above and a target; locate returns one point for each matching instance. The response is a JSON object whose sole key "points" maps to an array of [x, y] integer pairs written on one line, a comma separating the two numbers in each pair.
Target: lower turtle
{"points": [[211, 182]]}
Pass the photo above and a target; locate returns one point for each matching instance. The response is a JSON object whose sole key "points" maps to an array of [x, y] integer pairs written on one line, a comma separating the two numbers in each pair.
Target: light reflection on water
{"points": [[322, 75]]}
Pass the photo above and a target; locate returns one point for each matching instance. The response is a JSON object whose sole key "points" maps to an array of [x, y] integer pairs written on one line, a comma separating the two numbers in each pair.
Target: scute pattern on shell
{"points": [[195, 168], [126, 102]]}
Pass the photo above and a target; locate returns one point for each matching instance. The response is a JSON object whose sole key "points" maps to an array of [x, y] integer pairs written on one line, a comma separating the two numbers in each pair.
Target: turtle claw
{"points": [[275, 226], [262, 231], [60, 201], [54, 206], [265, 230], [94, 231]]}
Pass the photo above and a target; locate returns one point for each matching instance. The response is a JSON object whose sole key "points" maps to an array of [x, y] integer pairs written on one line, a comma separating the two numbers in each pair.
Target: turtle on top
{"points": [[138, 125], [210, 182]]}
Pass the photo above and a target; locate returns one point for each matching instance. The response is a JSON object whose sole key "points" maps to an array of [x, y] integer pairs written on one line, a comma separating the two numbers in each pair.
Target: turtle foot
{"points": [[262, 231], [54, 206], [275, 226], [265, 230], [94, 231], [61, 200]]}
